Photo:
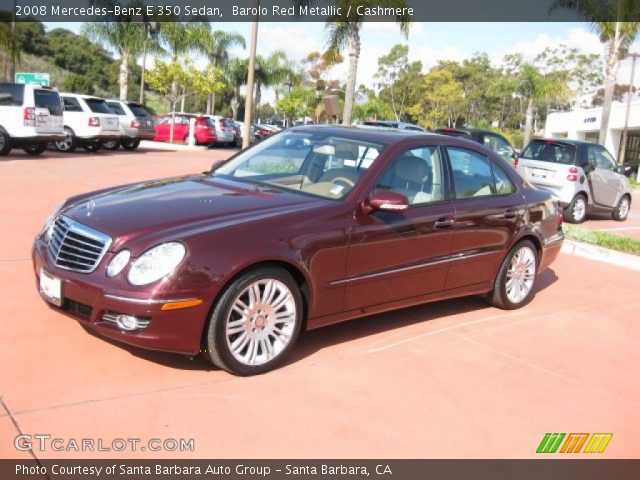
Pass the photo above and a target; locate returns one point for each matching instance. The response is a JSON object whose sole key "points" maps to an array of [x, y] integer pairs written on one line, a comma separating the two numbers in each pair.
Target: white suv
{"points": [[88, 121], [136, 124], [30, 116]]}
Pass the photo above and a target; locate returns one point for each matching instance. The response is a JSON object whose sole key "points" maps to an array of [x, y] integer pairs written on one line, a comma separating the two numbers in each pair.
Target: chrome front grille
{"points": [[76, 247]]}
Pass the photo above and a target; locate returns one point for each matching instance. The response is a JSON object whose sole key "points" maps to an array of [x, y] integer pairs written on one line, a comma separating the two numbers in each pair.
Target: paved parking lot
{"points": [[450, 379]]}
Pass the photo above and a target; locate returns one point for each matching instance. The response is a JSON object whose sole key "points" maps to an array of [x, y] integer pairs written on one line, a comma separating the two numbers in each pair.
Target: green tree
{"points": [[535, 86], [10, 45], [236, 73], [440, 101], [217, 46], [396, 77], [169, 79], [271, 71], [124, 36], [296, 104], [346, 33], [617, 36]]}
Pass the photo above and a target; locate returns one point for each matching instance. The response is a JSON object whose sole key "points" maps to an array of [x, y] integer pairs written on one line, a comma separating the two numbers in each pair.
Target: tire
{"points": [[508, 296], [576, 212], [5, 143], [69, 144], [131, 144], [35, 148], [91, 146], [621, 212], [111, 145], [254, 335]]}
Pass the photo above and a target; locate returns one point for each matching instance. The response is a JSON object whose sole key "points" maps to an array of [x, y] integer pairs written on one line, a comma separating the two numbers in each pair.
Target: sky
{"points": [[428, 42]]}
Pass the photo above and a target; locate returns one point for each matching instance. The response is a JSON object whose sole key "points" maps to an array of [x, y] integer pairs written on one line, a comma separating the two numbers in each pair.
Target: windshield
{"points": [[547, 151], [315, 163], [97, 105]]}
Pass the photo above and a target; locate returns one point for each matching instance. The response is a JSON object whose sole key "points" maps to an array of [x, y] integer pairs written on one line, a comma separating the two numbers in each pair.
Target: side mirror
{"points": [[621, 169], [386, 201]]}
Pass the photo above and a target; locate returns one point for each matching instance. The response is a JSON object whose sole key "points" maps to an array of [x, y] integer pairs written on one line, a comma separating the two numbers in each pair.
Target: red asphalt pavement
{"points": [[450, 379]]}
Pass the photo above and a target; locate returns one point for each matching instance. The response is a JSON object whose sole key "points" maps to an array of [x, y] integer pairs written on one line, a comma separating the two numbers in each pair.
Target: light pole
{"points": [[625, 133], [248, 101]]}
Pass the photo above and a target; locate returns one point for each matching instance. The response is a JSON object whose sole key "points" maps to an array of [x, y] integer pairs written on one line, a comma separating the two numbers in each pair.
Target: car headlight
{"points": [[156, 263], [118, 262]]}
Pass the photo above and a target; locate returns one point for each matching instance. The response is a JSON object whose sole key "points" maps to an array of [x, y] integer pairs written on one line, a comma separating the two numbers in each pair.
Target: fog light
{"points": [[127, 322]]}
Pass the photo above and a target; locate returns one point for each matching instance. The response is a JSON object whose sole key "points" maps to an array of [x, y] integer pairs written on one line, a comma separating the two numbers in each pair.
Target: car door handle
{"points": [[510, 213], [444, 222]]}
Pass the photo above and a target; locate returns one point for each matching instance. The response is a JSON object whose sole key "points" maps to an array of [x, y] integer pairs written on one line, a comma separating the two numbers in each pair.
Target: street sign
{"points": [[33, 78]]}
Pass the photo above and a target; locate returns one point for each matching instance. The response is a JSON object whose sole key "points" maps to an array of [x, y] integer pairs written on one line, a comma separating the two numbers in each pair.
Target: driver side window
{"points": [[416, 174], [603, 159]]}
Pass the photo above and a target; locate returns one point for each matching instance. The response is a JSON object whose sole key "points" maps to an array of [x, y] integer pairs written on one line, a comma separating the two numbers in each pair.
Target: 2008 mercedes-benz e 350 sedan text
{"points": [[313, 226]]}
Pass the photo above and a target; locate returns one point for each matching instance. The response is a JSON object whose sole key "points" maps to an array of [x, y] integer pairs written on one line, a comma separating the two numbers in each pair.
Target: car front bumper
{"points": [[88, 297]]}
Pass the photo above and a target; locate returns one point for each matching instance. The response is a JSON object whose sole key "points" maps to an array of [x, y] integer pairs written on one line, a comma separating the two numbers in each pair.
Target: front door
{"points": [[604, 181], [394, 256]]}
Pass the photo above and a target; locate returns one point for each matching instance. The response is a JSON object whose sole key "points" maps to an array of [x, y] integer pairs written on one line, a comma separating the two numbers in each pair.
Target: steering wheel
{"points": [[349, 182]]}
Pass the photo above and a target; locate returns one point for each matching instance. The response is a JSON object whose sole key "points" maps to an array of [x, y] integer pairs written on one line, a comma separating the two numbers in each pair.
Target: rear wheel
{"points": [[576, 212], [622, 210], [35, 148], [91, 146], [112, 144], [255, 322], [69, 144], [131, 144], [514, 284], [5, 143]]}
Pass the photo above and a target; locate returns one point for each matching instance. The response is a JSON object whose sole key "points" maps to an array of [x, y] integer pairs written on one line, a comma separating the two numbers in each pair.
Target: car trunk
{"points": [[48, 111]]}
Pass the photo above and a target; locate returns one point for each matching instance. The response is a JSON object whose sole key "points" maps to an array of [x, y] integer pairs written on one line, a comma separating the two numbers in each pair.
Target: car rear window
{"points": [[11, 94], [139, 111], [549, 151], [97, 105], [116, 108], [209, 122], [48, 99]]}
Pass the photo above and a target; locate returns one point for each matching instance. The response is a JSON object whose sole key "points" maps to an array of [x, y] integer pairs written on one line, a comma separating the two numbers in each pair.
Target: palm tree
{"points": [[617, 36], [217, 46], [11, 46], [126, 37], [347, 34], [535, 87], [236, 71], [271, 71]]}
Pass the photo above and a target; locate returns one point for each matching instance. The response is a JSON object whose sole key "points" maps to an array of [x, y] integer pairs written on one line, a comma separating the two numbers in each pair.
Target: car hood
{"points": [[179, 207]]}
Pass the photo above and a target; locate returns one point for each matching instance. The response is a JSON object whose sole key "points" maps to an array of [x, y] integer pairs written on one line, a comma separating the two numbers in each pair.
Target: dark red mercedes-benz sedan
{"points": [[313, 226]]}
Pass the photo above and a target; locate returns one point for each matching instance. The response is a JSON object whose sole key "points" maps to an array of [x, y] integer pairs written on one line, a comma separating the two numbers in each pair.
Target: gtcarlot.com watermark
{"points": [[44, 442]]}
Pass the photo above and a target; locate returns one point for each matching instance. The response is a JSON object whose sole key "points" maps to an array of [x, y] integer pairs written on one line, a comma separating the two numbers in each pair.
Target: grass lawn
{"points": [[602, 239]]}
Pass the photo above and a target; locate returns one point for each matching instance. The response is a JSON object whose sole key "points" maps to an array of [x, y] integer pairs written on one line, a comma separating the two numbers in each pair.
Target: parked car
{"points": [[30, 116], [394, 124], [136, 124], [264, 131], [584, 176], [88, 121], [225, 133], [314, 226], [239, 126], [492, 140], [204, 129]]}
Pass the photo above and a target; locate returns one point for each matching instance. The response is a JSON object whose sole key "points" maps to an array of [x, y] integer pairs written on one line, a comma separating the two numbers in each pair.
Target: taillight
{"points": [[29, 117], [135, 123], [572, 178], [573, 170], [559, 214], [515, 162], [94, 122]]}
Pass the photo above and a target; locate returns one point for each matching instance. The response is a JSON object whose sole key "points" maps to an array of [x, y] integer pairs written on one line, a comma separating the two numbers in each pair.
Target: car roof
{"points": [[364, 132], [567, 141]]}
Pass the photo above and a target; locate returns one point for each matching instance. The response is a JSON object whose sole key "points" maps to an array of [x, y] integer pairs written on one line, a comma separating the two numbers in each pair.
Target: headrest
{"points": [[412, 169], [346, 150]]}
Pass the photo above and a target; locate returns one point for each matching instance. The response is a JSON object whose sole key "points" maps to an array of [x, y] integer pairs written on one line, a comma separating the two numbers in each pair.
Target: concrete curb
{"points": [[150, 145], [593, 252]]}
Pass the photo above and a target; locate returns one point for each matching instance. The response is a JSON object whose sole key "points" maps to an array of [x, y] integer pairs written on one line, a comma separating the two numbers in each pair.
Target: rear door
{"points": [[48, 111], [487, 213], [604, 181]]}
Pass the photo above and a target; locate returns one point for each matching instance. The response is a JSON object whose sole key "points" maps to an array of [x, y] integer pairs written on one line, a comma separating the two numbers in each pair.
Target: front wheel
{"points": [[255, 322], [576, 212], [35, 148], [622, 210], [514, 284]]}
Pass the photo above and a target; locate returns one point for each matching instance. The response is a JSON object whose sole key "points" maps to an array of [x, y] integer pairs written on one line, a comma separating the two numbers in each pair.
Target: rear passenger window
{"points": [[472, 176], [71, 104], [504, 185]]}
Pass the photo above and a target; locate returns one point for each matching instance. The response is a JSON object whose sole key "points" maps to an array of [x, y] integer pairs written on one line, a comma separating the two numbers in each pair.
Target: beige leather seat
{"points": [[413, 179]]}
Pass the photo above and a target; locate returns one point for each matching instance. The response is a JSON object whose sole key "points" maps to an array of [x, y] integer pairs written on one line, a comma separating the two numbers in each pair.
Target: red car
{"points": [[313, 226], [204, 131]]}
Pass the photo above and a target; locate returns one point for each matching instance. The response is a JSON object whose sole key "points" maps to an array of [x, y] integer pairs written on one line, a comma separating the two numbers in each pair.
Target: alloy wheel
{"points": [[261, 322], [579, 209], [623, 209], [521, 274], [65, 144]]}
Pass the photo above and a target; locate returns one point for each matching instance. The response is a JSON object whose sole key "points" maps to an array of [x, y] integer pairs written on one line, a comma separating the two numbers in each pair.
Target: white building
{"points": [[584, 124]]}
